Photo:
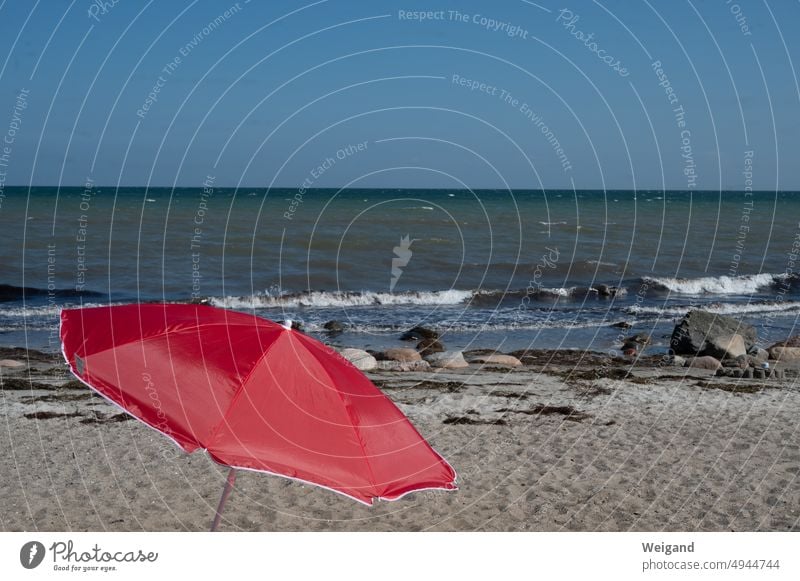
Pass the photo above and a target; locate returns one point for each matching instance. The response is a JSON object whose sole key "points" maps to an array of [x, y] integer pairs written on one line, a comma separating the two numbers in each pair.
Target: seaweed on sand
{"points": [[561, 357], [101, 418], [58, 397], [448, 386], [593, 374], [743, 387], [95, 418], [22, 384], [466, 420], [51, 415], [509, 394], [569, 412]]}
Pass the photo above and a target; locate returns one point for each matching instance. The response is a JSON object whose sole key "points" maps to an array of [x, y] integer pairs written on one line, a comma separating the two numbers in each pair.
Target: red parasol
{"points": [[255, 394]]}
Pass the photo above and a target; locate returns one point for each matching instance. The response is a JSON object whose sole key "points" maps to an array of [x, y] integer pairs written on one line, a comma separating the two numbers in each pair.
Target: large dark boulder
{"points": [[704, 333]]}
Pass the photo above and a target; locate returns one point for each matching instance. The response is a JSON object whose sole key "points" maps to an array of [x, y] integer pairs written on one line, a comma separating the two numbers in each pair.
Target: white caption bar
{"points": [[374, 556]]}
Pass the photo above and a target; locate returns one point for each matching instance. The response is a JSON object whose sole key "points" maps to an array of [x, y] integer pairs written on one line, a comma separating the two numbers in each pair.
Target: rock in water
{"points": [[705, 362], [605, 290], [360, 358], [400, 354], [635, 344], [334, 326], [428, 346], [447, 360], [639, 339], [704, 333], [419, 333]]}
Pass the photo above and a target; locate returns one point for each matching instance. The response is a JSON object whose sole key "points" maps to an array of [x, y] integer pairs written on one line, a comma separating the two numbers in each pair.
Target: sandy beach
{"points": [[577, 444]]}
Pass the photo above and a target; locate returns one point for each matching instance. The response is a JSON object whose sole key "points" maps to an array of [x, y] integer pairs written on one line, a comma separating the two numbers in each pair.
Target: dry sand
{"points": [[658, 450]]}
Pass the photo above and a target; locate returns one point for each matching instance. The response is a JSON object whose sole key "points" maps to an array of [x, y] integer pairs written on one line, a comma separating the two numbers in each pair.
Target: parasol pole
{"points": [[225, 494]]}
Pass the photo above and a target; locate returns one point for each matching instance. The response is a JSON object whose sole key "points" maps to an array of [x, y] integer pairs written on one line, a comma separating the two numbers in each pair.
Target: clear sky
{"points": [[477, 94]]}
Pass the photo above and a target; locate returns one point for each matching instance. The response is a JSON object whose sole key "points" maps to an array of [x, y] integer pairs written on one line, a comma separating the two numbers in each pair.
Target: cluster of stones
{"points": [[701, 340], [722, 344], [430, 353]]}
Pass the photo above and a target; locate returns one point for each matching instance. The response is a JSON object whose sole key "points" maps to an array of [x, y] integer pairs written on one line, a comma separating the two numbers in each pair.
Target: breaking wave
{"points": [[330, 299], [343, 299], [719, 285], [462, 326], [43, 310], [782, 307]]}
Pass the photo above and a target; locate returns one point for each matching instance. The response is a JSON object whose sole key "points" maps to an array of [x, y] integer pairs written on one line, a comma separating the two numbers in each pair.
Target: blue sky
{"points": [[281, 93]]}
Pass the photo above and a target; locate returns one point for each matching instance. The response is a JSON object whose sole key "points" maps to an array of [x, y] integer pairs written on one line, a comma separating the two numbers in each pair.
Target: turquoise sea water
{"points": [[488, 268]]}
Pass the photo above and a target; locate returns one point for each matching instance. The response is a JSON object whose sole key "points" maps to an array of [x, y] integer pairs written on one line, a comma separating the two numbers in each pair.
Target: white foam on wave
{"points": [[718, 285], [559, 291], [344, 299], [42, 310], [472, 326], [787, 308]]}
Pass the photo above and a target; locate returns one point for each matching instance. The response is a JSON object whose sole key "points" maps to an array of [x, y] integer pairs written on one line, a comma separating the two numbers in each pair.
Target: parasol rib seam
{"points": [[238, 394], [352, 423]]}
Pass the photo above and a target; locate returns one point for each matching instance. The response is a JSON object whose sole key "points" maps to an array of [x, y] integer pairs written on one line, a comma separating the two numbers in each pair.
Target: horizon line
{"points": [[413, 188]]}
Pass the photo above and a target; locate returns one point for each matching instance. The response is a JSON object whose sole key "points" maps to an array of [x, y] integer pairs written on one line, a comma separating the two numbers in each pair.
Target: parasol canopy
{"points": [[254, 394]]}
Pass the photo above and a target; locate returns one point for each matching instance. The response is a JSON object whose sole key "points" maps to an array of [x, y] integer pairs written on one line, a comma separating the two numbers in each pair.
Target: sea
{"points": [[500, 269]]}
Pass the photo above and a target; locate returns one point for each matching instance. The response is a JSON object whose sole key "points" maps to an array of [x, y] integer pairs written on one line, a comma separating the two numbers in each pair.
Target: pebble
{"points": [[10, 363]]}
